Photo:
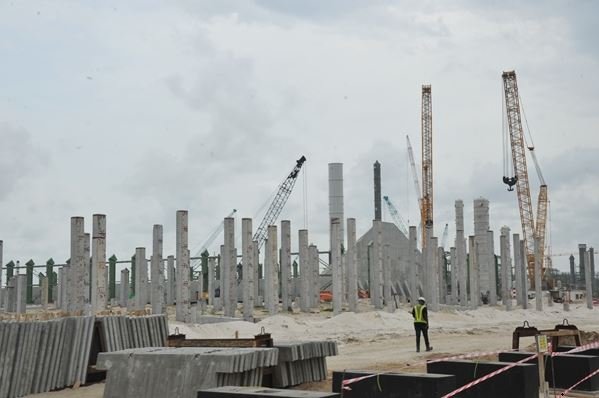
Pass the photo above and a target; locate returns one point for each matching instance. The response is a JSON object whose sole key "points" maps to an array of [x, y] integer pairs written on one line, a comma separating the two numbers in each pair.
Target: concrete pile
{"points": [[43, 356], [122, 332], [181, 372], [302, 362]]}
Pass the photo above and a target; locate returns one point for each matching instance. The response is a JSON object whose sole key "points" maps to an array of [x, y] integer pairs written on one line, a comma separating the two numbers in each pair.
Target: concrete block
{"points": [[257, 392]]}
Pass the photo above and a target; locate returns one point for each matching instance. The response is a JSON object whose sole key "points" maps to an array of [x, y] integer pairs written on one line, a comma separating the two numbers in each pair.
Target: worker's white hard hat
{"points": [[421, 299]]}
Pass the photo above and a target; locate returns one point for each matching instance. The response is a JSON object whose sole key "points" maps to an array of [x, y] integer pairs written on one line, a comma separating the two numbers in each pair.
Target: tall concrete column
{"points": [[352, 266], [305, 271], [271, 290], [376, 291], [256, 256], [473, 266], [336, 266], [75, 275], [582, 248], [1, 265], [412, 265], [538, 271], [572, 273], [182, 256], [592, 264], [59, 286], [460, 244], [315, 277], [98, 298], [481, 236], [211, 278], [44, 292], [228, 285], [336, 198], [247, 260], [588, 280], [387, 281], [285, 261], [433, 263], [442, 283], [157, 272], [492, 270], [87, 273], [517, 268], [171, 286], [141, 278], [506, 268], [124, 289], [454, 275], [21, 294], [524, 274]]}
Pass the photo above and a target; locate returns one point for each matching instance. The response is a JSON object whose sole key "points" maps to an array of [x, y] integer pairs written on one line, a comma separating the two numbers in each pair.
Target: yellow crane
{"points": [[516, 141]]}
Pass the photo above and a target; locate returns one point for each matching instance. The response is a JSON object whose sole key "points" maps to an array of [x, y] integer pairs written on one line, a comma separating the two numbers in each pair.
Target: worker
{"points": [[420, 315]]}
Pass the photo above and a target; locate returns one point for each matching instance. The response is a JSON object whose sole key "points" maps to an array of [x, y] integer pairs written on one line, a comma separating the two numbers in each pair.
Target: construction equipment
{"points": [[401, 224], [520, 175], [427, 163], [217, 231], [560, 330], [278, 203], [415, 180]]}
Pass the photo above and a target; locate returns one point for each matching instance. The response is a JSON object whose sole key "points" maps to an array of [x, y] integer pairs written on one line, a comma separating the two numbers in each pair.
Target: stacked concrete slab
{"points": [[257, 392], [43, 356], [181, 372], [122, 332], [302, 362]]}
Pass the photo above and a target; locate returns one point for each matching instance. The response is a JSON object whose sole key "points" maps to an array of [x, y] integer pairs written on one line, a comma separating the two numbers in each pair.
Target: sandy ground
{"points": [[383, 341]]}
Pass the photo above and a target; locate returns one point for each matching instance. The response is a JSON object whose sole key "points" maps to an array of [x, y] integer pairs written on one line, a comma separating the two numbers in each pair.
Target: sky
{"points": [[138, 109]]}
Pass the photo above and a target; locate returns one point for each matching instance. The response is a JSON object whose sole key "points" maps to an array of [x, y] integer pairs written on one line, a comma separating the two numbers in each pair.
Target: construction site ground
{"points": [[383, 341]]}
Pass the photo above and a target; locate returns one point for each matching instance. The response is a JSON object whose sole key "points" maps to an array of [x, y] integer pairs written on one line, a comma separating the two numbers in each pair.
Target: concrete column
{"points": [[228, 284], [182, 256], [271, 290], [454, 275], [124, 289], [285, 261], [141, 278], [572, 273], [1, 265], [305, 271], [44, 292], [171, 286], [473, 266], [157, 272], [442, 283], [517, 268], [336, 198], [211, 277], [21, 296], [506, 268], [524, 274], [59, 287], [75, 275], [256, 256], [314, 261], [411, 263], [247, 260], [387, 282], [87, 273], [460, 244], [582, 248], [11, 293], [352, 266], [111, 277], [492, 270], [588, 280], [592, 264], [433, 264], [481, 236], [376, 290], [98, 271], [538, 262], [337, 278]]}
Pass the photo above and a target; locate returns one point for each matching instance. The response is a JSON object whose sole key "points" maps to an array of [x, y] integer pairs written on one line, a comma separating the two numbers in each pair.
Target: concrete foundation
{"points": [[182, 254]]}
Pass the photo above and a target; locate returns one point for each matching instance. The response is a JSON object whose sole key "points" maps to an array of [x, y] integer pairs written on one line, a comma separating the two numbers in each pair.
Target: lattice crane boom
{"points": [[217, 231], [520, 178], [427, 162], [399, 221], [278, 203]]}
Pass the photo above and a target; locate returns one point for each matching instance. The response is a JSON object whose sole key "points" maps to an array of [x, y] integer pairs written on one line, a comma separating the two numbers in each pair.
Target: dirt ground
{"points": [[383, 341]]}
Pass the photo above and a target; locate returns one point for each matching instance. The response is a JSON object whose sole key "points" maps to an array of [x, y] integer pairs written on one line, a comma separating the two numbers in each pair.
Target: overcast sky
{"points": [[137, 109]]}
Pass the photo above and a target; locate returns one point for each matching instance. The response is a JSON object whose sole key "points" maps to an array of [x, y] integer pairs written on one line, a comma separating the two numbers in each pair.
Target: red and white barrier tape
{"points": [[345, 383], [577, 349], [488, 376], [563, 393]]}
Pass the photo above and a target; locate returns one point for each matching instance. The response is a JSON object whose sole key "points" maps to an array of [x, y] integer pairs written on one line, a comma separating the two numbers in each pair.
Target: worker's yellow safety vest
{"points": [[418, 310]]}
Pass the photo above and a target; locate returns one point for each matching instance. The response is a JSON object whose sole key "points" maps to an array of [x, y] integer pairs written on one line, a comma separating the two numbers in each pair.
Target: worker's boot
{"points": [[430, 348]]}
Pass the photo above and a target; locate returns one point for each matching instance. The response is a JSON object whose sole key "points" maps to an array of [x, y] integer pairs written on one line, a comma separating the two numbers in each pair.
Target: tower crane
{"points": [[399, 221], [275, 208], [520, 174], [415, 180], [217, 231], [427, 163]]}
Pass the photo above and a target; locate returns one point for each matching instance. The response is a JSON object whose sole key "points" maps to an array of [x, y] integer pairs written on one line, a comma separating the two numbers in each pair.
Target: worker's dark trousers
{"points": [[421, 328]]}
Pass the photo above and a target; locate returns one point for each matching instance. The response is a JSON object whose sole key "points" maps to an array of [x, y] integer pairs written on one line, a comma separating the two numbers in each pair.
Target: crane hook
{"points": [[510, 182]]}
